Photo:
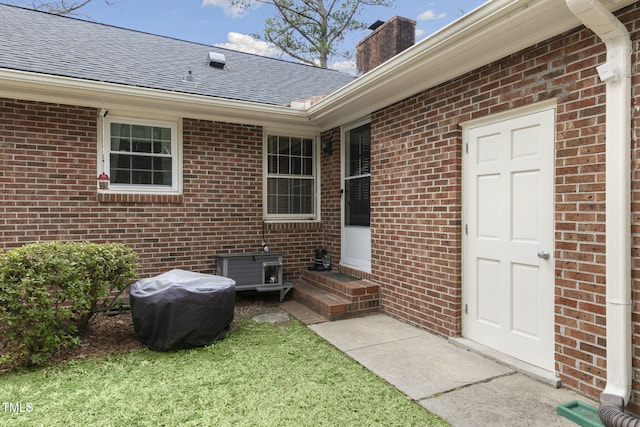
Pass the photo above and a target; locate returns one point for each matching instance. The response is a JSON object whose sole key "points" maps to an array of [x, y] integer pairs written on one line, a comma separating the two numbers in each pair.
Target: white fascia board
{"points": [[64, 90], [493, 31]]}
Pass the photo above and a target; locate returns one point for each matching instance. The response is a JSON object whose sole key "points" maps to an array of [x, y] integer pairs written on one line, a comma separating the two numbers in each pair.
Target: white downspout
{"points": [[616, 73]]}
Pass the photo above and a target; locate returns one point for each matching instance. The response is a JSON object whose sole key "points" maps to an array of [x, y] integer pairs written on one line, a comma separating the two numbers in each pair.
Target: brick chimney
{"points": [[386, 41]]}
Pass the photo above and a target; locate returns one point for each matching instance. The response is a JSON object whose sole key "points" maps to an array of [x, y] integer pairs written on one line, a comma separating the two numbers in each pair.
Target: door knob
{"points": [[544, 254]]}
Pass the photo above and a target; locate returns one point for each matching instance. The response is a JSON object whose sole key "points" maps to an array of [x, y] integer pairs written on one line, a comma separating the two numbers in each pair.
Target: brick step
{"points": [[340, 284], [335, 295], [329, 305]]}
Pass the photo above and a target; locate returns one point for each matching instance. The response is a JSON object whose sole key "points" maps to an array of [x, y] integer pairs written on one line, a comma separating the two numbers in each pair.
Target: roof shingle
{"points": [[62, 46]]}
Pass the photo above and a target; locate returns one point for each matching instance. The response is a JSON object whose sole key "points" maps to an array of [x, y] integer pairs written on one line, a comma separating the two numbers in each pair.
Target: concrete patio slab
{"points": [[506, 401], [427, 365], [463, 387], [358, 332]]}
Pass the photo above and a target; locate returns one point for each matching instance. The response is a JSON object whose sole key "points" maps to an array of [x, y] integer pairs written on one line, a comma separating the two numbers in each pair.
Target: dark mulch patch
{"points": [[115, 334]]}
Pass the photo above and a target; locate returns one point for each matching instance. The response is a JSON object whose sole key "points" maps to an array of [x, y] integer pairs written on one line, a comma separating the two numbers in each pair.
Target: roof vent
{"points": [[216, 60]]}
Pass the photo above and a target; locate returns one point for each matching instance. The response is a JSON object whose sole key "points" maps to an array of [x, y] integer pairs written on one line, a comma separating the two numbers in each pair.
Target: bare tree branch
{"points": [[61, 7], [311, 30]]}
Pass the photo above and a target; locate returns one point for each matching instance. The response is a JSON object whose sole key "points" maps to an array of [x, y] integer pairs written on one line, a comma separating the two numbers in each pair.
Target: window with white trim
{"points": [[141, 156], [291, 178]]}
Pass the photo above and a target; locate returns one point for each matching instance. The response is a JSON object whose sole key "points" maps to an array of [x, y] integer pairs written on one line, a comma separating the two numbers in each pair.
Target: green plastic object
{"points": [[580, 413]]}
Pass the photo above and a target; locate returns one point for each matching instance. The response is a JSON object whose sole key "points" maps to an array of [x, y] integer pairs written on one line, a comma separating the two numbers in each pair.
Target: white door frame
{"points": [[546, 361], [355, 241]]}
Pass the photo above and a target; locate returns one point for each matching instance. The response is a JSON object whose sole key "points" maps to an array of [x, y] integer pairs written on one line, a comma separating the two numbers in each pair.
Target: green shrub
{"points": [[49, 292]]}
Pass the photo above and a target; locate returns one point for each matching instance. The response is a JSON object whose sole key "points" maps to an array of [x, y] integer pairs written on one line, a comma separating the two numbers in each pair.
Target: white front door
{"points": [[508, 285], [356, 178]]}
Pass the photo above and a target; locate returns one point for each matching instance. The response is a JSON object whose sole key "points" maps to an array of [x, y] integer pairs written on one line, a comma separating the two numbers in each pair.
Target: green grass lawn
{"points": [[260, 375]]}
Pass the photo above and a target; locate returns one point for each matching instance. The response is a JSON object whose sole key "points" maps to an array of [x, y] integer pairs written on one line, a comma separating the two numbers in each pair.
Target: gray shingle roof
{"points": [[49, 44]]}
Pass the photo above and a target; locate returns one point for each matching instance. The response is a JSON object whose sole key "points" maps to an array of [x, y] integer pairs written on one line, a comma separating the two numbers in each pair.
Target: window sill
{"points": [[131, 198], [290, 221]]}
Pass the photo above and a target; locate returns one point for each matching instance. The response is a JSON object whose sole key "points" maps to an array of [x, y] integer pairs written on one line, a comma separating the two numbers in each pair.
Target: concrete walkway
{"points": [[464, 388]]}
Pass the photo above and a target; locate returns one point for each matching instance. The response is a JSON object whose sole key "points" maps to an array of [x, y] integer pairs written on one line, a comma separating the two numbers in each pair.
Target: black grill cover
{"points": [[179, 309]]}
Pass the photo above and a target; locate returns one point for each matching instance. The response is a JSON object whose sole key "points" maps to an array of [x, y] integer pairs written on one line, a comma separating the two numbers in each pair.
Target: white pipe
{"points": [[617, 75]]}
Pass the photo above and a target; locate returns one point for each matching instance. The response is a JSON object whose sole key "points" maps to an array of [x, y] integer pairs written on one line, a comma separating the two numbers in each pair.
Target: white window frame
{"points": [[104, 151], [313, 217]]}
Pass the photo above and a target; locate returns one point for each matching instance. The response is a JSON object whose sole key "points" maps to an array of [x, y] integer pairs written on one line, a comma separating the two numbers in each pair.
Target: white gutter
{"points": [[57, 89], [616, 73], [489, 33]]}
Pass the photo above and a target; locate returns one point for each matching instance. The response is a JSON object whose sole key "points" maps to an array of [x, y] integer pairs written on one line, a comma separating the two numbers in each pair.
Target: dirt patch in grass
{"points": [[115, 334]]}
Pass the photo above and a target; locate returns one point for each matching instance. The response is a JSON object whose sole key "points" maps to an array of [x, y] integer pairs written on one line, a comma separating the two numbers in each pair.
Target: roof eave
{"points": [[64, 90], [491, 32]]}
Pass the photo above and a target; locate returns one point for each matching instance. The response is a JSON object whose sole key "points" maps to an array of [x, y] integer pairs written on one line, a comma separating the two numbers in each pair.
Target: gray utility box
{"points": [[260, 271]]}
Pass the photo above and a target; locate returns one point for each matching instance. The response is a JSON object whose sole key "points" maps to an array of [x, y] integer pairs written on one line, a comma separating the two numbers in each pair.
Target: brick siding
{"points": [[48, 192], [330, 193], [416, 197]]}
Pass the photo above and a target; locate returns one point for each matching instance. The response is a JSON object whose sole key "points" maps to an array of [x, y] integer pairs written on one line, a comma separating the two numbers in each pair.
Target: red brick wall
{"points": [[331, 208], [416, 196], [47, 167], [48, 192], [415, 211], [580, 228]]}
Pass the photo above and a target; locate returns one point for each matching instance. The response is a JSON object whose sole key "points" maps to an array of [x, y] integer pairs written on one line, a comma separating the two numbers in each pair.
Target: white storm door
{"points": [[508, 289], [356, 231]]}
